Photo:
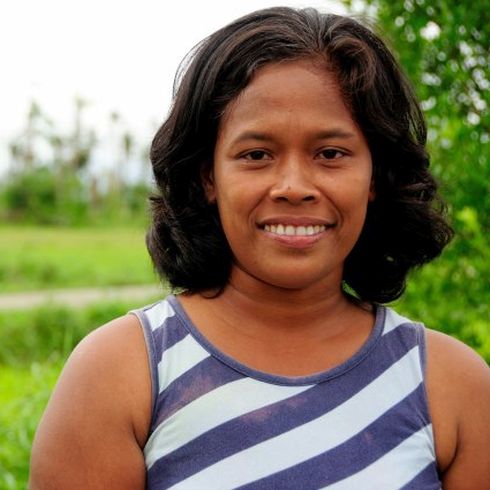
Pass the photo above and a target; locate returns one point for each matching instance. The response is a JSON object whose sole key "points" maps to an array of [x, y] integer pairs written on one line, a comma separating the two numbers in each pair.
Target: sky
{"points": [[119, 56]]}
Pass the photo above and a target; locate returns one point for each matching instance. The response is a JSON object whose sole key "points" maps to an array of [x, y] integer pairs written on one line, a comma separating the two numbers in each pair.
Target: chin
{"points": [[294, 280], [287, 275]]}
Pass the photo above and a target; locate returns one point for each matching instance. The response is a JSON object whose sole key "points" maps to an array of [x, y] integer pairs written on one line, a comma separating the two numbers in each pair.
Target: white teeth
{"points": [[291, 230]]}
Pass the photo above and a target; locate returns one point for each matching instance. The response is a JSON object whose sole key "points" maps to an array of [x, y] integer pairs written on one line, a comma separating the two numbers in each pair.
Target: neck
{"points": [[265, 310]]}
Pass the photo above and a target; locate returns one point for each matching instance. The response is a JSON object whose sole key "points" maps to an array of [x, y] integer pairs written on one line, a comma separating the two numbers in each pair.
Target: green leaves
{"points": [[444, 48]]}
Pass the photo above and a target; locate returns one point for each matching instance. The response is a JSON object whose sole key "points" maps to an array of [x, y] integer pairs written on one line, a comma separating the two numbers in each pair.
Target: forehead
{"points": [[289, 89]]}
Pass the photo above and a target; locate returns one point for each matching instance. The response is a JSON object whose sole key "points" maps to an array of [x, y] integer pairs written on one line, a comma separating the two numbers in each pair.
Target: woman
{"points": [[294, 197]]}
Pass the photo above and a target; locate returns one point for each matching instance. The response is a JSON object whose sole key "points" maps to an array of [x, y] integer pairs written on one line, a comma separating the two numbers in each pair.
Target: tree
{"points": [[444, 48], [50, 179]]}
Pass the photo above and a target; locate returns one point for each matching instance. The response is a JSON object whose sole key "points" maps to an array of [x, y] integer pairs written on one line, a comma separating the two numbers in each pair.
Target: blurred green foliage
{"points": [[44, 195], [49, 333], [52, 177], [444, 48], [39, 196], [24, 393]]}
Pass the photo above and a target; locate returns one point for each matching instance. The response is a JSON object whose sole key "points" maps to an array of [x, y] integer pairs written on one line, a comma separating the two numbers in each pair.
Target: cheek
{"points": [[354, 192], [232, 211], [352, 204], [236, 195]]}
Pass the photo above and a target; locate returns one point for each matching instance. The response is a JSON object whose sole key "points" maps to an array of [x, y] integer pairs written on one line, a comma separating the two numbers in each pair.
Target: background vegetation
{"points": [[444, 48], [37, 257], [64, 223], [59, 178]]}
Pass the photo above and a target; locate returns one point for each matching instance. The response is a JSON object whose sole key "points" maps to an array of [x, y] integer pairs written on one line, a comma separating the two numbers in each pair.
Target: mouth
{"points": [[292, 230]]}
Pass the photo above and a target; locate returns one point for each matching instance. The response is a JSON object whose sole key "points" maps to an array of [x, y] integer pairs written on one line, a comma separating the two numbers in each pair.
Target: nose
{"points": [[294, 183]]}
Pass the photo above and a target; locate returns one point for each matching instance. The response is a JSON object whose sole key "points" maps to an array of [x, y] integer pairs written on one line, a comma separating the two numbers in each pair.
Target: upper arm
{"points": [[459, 395], [92, 432]]}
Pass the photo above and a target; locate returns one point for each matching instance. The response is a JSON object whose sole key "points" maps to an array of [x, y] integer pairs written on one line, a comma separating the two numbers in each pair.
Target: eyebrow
{"points": [[264, 136], [335, 133]]}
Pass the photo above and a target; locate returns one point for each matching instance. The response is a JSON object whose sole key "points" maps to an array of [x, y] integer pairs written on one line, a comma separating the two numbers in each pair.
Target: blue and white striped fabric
{"points": [[217, 424]]}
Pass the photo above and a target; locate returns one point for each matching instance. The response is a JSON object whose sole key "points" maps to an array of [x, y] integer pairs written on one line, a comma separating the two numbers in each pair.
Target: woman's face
{"points": [[291, 177]]}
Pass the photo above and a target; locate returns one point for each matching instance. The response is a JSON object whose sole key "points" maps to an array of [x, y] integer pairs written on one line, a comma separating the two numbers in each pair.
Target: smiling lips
{"points": [[291, 230]]}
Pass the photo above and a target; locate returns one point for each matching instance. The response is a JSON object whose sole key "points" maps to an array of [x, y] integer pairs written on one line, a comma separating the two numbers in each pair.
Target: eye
{"points": [[331, 154], [256, 155]]}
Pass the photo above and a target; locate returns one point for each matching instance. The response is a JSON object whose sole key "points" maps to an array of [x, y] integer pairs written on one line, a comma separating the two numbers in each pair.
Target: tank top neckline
{"points": [[310, 379]]}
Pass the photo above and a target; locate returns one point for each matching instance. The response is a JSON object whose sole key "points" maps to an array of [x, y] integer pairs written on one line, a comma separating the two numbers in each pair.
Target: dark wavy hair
{"points": [[405, 224]]}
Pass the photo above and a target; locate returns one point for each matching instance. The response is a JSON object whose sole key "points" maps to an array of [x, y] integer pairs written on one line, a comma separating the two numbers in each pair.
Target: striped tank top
{"points": [[218, 424]]}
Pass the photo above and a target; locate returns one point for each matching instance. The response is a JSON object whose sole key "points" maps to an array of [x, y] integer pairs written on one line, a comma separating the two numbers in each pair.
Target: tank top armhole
{"points": [[152, 360], [422, 342]]}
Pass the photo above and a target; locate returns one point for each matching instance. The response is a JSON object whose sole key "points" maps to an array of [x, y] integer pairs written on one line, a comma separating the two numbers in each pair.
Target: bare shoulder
{"points": [[95, 424], [112, 364], [458, 385], [445, 346], [120, 340], [456, 368]]}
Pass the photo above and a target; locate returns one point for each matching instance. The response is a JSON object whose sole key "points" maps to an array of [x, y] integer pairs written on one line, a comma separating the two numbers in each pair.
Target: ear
{"points": [[372, 191], [207, 179]]}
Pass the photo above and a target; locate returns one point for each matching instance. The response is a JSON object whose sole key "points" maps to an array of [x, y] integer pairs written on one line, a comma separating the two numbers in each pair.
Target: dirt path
{"points": [[79, 297]]}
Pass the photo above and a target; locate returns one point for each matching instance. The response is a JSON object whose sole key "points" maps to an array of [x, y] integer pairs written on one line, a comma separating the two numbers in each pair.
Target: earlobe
{"points": [[372, 192], [207, 179]]}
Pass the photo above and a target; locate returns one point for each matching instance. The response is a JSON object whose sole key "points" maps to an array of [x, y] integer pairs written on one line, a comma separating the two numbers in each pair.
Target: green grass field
{"points": [[39, 258]]}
